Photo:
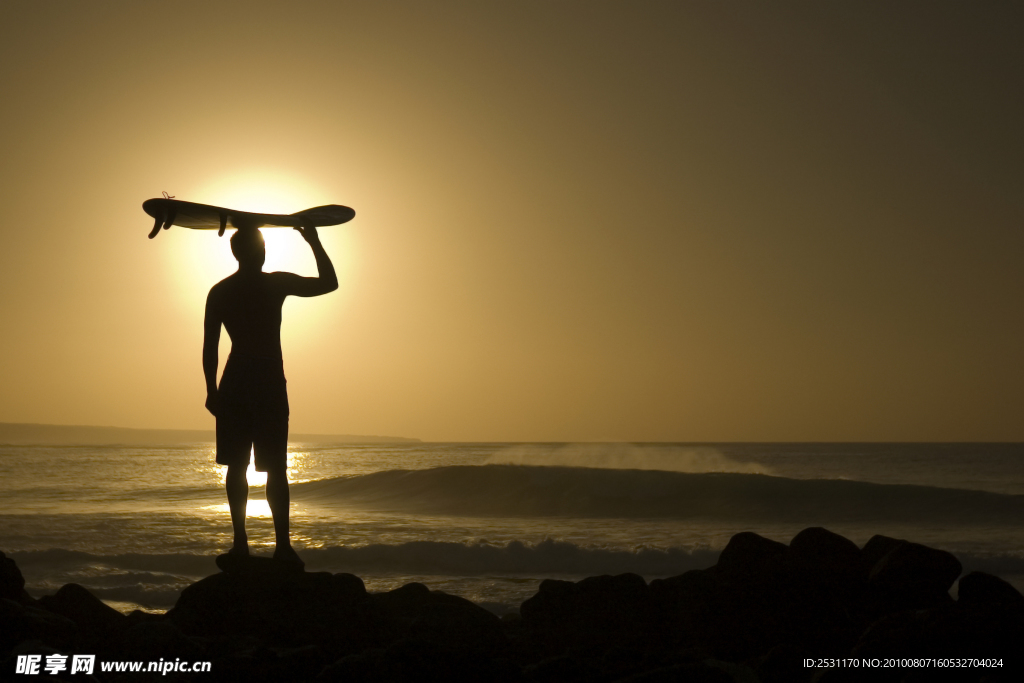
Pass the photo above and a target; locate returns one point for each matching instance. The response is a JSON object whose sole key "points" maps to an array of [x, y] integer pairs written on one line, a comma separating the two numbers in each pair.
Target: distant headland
{"points": [[23, 434]]}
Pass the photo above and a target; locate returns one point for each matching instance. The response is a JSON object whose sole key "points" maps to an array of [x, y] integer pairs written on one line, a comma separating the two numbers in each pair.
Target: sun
{"points": [[262, 191], [199, 258]]}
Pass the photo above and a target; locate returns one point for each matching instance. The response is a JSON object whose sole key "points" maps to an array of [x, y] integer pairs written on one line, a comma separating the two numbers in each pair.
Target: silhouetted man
{"points": [[251, 404]]}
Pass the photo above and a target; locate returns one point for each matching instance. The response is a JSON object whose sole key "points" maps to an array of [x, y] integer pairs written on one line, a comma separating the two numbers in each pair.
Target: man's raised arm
{"points": [[211, 343], [327, 280]]}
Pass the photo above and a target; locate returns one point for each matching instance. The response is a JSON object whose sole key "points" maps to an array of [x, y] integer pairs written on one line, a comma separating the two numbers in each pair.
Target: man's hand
{"points": [[212, 402], [308, 231]]}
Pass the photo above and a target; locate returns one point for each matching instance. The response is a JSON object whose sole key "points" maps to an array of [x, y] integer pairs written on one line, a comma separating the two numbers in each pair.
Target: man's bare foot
{"points": [[240, 544], [234, 559], [285, 553]]}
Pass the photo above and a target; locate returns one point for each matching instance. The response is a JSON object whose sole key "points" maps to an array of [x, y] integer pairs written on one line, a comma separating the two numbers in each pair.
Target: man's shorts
{"points": [[252, 413]]}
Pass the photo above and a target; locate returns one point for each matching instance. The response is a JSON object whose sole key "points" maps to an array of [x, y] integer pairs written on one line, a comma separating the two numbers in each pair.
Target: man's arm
{"points": [[327, 280], [211, 344]]}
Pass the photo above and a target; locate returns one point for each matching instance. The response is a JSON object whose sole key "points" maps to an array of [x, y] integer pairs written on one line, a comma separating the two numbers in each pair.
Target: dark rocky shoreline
{"points": [[758, 615]]}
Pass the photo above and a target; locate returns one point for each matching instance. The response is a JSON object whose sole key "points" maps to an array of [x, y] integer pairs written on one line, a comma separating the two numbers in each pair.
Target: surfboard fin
{"points": [[169, 218], [223, 223], [156, 227]]}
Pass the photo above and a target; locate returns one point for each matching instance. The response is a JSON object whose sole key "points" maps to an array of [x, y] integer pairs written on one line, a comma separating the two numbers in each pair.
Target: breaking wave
{"points": [[525, 491]]}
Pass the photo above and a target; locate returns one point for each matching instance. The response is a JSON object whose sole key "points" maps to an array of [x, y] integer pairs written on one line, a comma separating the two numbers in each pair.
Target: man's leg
{"points": [[279, 501], [238, 494]]}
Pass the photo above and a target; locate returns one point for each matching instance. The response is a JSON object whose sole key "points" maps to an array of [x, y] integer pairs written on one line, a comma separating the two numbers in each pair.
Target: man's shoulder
{"points": [[282, 275], [222, 285], [283, 280]]}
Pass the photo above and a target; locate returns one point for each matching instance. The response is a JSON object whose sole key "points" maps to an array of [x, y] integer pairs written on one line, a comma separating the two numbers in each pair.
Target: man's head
{"points": [[248, 247]]}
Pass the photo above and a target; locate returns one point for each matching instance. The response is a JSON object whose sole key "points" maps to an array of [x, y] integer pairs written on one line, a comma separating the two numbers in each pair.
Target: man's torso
{"points": [[250, 308]]}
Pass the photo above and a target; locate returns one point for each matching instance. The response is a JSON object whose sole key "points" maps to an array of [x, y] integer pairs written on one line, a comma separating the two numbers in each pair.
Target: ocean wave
{"points": [[527, 491]]}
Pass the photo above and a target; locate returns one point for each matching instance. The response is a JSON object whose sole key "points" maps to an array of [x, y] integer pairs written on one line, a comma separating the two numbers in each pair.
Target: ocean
{"points": [[136, 524]]}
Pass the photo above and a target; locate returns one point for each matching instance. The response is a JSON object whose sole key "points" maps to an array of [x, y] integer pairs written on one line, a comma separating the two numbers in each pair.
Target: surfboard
{"points": [[169, 211]]}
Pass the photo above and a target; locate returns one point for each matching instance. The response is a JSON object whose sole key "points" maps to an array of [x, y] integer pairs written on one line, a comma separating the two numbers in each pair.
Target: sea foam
{"points": [[624, 456]]}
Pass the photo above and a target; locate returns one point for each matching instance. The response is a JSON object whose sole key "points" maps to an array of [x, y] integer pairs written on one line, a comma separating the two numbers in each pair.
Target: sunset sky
{"points": [[576, 220]]}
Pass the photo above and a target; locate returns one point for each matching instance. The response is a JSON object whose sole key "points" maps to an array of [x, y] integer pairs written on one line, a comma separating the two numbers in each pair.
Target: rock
{"points": [[409, 661], [822, 591], [404, 601], [748, 552], [288, 610], [20, 622], [943, 632], [596, 612], [561, 668], [690, 673], [12, 583], [765, 605], [914, 576], [350, 585], [301, 663], [233, 563], [154, 640], [459, 627], [439, 618], [263, 665], [94, 618], [979, 588], [688, 603], [690, 606], [763, 594], [875, 549], [826, 553], [258, 664]]}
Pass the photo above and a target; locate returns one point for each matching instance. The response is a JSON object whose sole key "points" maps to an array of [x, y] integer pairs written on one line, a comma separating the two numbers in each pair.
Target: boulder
{"points": [[20, 622], [415, 661], [154, 640], [875, 549], [943, 632], [763, 594], [826, 554], [690, 673], [12, 583], [596, 612], [95, 619], [449, 621], [748, 553], [690, 606], [914, 576], [285, 610], [981, 589], [821, 591]]}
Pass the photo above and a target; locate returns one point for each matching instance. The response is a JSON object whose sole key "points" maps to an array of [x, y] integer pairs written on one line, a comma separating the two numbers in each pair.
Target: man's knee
{"points": [[277, 475], [235, 472]]}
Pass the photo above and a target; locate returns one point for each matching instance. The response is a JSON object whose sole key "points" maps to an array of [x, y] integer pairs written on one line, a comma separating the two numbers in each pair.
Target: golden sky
{"points": [[578, 220]]}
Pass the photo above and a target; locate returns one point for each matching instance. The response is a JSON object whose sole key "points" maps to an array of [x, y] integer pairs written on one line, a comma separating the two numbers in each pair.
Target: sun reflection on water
{"points": [[257, 507], [296, 470]]}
